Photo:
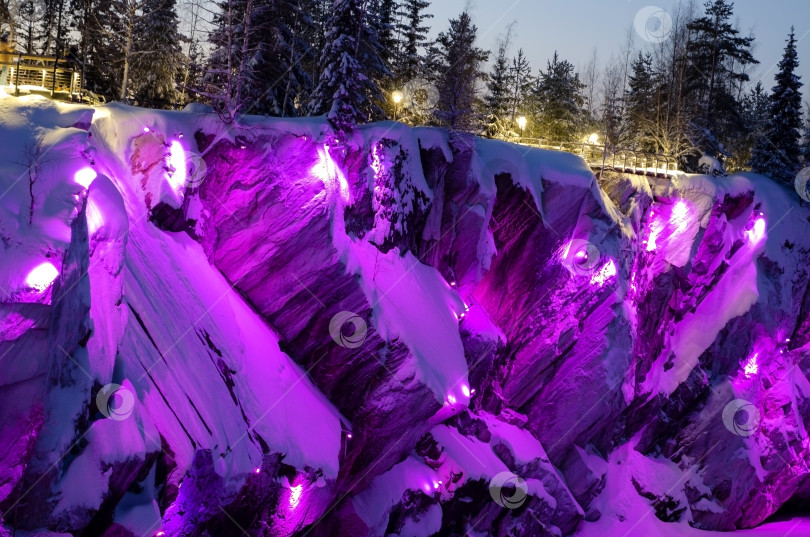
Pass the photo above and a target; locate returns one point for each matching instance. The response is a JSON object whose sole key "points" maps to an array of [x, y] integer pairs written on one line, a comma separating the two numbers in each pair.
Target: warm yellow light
{"points": [[521, 121], [397, 96], [593, 138]]}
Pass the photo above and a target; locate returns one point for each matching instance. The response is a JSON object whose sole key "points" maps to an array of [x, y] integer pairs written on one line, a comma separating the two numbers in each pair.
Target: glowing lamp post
{"points": [[397, 97], [593, 139], [521, 121]]}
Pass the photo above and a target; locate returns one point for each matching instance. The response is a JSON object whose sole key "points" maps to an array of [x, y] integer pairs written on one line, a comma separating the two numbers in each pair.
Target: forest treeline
{"points": [[686, 93]]}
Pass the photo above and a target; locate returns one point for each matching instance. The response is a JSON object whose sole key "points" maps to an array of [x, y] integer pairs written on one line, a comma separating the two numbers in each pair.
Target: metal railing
{"points": [[58, 75], [603, 157]]}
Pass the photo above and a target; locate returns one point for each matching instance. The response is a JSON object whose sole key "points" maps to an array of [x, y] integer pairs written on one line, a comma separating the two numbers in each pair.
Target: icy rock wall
{"points": [[361, 334]]}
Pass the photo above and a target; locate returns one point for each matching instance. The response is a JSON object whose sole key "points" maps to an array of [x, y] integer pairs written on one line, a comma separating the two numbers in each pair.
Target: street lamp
{"points": [[521, 121], [593, 139], [397, 97]]}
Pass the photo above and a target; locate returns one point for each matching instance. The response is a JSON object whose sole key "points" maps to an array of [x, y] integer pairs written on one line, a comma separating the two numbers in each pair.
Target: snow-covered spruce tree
{"points": [[456, 64], [613, 104], [156, 56], [225, 72], [314, 37], [559, 101], [385, 19], [496, 102], [276, 74], [776, 152], [756, 109], [347, 91], [96, 22], [257, 65], [520, 84], [383, 16], [717, 58], [192, 70], [412, 36], [640, 99], [130, 13]]}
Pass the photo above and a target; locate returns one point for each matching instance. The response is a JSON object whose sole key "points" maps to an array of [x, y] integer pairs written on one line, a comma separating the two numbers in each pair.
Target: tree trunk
{"points": [[127, 49]]}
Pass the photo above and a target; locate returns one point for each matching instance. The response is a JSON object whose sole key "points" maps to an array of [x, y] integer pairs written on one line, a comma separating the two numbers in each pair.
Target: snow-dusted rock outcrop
{"points": [[271, 329]]}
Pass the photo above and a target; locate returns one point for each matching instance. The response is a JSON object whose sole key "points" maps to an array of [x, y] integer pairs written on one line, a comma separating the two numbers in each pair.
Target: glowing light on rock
{"points": [[751, 366], [655, 230], [376, 161], [465, 390], [327, 171], [680, 211], [757, 232], [42, 276], [680, 216], [295, 495], [177, 162], [257, 471], [451, 399], [85, 176], [146, 129], [435, 485], [604, 274]]}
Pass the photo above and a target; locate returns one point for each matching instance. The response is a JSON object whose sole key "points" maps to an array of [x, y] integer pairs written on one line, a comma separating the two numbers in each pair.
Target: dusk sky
{"points": [[575, 27]]}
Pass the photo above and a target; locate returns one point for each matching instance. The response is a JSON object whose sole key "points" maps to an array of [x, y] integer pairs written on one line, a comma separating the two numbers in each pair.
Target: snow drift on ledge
{"points": [[269, 329]]}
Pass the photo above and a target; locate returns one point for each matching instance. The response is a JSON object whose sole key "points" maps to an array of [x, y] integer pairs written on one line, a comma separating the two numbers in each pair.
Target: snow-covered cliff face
{"points": [[265, 330]]}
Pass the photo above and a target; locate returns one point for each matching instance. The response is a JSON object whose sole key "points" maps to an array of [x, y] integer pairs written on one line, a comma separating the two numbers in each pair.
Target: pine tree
{"points": [[413, 37], [776, 152], [717, 58], [99, 49], [350, 61], [53, 25], [456, 64], [192, 69], [275, 65], [641, 102], [756, 108], [385, 16], [497, 100], [156, 57], [520, 82], [226, 72], [559, 101], [259, 61], [613, 104], [29, 15], [130, 14], [314, 37]]}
